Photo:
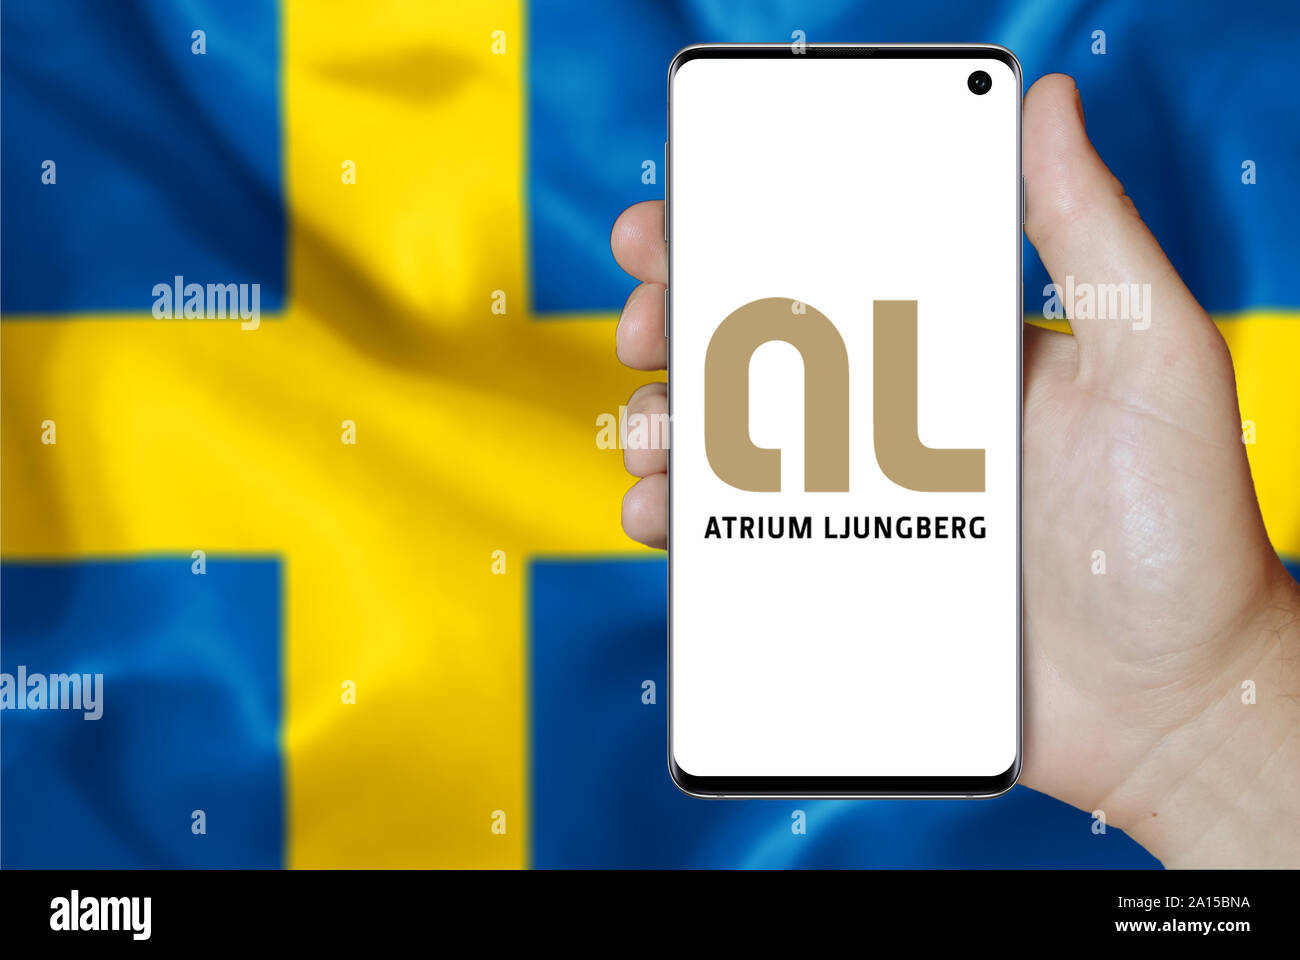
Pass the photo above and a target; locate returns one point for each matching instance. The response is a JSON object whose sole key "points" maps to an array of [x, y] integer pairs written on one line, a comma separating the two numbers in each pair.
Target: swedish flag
{"points": [[345, 552]]}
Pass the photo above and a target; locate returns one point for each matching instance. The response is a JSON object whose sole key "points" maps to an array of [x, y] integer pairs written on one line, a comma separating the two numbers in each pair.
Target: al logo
{"points": [[901, 455]]}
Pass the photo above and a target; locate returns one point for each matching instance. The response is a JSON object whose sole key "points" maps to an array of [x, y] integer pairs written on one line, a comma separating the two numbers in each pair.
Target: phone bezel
{"points": [[715, 787]]}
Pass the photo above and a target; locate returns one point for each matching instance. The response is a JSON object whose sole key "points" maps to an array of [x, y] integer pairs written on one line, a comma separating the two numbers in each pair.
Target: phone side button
{"points": [[665, 313], [665, 191], [1022, 201]]}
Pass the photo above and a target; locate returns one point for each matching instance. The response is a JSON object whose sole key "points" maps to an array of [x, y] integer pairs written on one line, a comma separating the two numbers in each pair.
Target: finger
{"points": [[638, 241], [645, 511], [646, 449], [1090, 237], [639, 338]]}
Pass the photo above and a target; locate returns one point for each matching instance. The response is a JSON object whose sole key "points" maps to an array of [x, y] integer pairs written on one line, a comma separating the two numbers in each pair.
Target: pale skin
{"points": [[1133, 680]]}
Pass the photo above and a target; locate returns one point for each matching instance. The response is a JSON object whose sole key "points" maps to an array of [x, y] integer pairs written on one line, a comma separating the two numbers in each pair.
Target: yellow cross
{"points": [[475, 433]]}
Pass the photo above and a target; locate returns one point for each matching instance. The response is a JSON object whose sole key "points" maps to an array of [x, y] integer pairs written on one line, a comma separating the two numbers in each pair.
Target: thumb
{"points": [[1120, 291]]}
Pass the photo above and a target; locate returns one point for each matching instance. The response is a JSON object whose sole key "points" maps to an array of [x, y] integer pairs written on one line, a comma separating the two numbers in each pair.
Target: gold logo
{"points": [[899, 451]]}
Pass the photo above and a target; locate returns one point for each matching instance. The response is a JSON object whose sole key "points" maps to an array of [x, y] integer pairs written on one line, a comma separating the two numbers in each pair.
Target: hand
{"points": [[1132, 446]]}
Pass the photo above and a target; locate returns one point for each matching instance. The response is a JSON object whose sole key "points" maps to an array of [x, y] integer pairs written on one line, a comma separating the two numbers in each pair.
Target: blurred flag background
{"points": [[428, 647]]}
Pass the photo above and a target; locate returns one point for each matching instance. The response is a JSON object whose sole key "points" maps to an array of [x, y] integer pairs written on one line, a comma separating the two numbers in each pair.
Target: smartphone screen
{"points": [[844, 235]]}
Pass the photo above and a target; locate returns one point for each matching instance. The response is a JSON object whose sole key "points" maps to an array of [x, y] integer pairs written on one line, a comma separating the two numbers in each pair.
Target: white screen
{"points": [[839, 182]]}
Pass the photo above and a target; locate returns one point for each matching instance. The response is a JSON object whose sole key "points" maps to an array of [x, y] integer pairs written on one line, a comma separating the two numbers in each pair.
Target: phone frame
{"points": [[714, 787]]}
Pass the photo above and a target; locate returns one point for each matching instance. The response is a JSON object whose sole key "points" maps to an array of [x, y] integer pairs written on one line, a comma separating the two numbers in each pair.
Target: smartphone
{"points": [[844, 334]]}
